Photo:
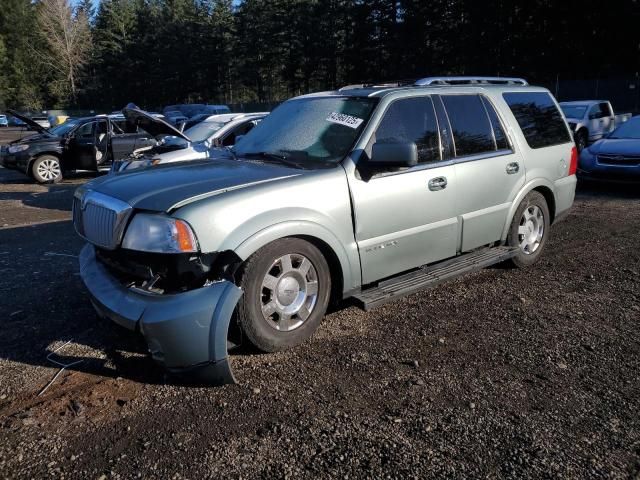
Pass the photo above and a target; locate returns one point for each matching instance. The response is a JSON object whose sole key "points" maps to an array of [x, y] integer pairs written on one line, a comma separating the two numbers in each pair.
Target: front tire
{"points": [[286, 285], [529, 229], [46, 169]]}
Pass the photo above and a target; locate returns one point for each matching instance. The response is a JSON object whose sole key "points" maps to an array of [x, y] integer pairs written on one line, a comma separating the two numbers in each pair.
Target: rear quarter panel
{"points": [[545, 167]]}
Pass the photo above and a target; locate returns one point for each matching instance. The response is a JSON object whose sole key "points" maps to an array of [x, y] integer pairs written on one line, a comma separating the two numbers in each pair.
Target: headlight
{"points": [[17, 148], [157, 233]]}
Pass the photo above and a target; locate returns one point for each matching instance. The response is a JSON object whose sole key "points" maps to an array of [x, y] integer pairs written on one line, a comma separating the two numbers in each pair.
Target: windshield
{"points": [[203, 130], [64, 128], [309, 130], [573, 111], [629, 129]]}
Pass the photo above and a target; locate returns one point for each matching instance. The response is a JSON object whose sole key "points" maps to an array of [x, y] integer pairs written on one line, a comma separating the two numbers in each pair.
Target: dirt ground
{"points": [[503, 374]]}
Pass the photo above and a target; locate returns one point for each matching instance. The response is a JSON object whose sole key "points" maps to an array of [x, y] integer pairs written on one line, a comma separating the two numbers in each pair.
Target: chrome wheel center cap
{"points": [[287, 291]]}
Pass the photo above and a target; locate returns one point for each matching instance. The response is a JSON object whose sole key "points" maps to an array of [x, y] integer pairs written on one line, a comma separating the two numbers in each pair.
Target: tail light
{"points": [[573, 164]]}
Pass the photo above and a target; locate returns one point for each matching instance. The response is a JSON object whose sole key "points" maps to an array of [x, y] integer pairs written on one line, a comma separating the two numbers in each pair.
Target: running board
{"points": [[430, 276]]}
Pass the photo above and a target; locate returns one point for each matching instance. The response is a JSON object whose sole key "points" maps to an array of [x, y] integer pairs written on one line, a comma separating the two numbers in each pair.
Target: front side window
{"points": [[312, 131], [470, 125], [605, 110], [241, 129], [85, 131], [539, 119], [203, 131], [412, 120], [595, 112]]}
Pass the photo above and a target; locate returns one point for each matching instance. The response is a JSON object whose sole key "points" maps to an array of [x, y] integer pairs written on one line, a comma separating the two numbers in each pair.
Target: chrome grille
{"points": [[100, 219], [98, 223]]}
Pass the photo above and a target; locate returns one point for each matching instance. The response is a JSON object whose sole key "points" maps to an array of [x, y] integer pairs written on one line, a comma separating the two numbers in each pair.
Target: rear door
{"points": [[405, 218], [489, 173]]}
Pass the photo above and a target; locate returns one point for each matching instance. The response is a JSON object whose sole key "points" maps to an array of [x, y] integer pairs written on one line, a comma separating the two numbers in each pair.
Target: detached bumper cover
{"points": [[183, 331]]}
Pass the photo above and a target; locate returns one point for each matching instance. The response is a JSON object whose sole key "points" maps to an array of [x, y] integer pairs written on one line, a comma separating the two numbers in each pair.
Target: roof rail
{"points": [[396, 83], [470, 81]]}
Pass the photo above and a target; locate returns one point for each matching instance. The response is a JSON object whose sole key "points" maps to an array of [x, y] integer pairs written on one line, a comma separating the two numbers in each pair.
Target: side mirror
{"points": [[394, 154]]}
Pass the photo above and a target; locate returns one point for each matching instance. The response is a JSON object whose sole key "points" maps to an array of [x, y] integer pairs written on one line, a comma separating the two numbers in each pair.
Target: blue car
{"points": [[3, 121], [615, 157]]}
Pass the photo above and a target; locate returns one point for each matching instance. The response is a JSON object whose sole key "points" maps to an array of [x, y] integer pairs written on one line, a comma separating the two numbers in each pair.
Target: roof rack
{"points": [[470, 81], [395, 83]]}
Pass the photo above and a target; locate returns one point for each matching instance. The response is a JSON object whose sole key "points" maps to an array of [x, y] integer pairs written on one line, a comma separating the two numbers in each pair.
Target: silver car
{"points": [[194, 143], [369, 192]]}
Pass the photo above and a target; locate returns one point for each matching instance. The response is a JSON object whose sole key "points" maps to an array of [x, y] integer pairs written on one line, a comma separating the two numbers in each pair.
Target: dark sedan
{"points": [[615, 157]]}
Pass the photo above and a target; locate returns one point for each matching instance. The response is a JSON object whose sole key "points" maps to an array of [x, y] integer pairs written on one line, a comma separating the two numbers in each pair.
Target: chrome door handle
{"points": [[512, 168], [437, 183]]}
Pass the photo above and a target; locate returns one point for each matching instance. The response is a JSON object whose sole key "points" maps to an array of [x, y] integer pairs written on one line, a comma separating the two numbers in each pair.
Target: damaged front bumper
{"points": [[185, 332]]}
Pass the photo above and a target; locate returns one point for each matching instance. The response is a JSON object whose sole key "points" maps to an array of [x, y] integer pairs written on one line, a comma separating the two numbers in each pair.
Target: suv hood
{"points": [[37, 138], [155, 126], [36, 126], [164, 188], [616, 146]]}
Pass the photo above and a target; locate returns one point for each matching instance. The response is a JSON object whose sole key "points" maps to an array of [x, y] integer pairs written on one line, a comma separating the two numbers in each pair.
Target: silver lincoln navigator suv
{"points": [[369, 192]]}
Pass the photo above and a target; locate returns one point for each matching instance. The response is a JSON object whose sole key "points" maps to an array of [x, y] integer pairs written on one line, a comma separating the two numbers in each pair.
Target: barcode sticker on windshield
{"points": [[343, 119]]}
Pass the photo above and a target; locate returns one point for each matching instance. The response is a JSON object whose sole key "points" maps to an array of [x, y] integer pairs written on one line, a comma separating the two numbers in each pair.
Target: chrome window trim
{"points": [[483, 99], [446, 163]]}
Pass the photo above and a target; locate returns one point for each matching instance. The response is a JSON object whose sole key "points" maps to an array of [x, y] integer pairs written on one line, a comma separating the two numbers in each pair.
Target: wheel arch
{"points": [[42, 154], [341, 263], [545, 188]]}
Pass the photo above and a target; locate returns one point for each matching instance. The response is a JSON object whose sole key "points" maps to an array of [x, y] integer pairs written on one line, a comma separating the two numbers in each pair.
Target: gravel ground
{"points": [[504, 373]]}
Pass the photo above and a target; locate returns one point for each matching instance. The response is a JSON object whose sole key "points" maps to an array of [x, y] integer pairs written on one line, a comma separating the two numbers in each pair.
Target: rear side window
{"points": [[498, 132], [412, 120], [472, 132], [539, 118]]}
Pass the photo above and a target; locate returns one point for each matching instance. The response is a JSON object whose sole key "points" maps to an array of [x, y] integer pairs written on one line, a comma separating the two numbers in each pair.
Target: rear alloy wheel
{"points": [[46, 169], [529, 229], [286, 287]]}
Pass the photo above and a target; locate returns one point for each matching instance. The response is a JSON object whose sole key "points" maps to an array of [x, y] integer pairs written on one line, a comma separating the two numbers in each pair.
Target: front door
{"points": [[488, 171], [405, 218], [86, 147]]}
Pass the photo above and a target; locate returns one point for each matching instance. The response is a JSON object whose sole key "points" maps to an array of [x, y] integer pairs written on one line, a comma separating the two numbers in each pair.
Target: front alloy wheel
{"points": [[289, 292], [286, 287], [46, 169]]}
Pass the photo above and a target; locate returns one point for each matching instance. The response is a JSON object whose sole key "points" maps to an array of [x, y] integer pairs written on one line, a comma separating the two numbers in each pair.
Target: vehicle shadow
{"points": [[43, 305], [56, 197]]}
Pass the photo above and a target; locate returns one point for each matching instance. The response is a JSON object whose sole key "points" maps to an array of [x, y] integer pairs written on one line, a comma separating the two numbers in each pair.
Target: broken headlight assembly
{"points": [[159, 234]]}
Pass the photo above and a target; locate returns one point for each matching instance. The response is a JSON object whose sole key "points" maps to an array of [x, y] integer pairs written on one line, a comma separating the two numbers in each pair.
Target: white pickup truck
{"points": [[591, 120]]}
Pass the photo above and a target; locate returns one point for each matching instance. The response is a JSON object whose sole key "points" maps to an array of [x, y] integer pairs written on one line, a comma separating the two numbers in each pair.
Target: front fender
{"points": [[347, 255]]}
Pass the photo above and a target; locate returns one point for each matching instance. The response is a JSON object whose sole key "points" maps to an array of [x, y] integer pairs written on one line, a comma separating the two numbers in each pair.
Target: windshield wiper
{"points": [[277, 157]]}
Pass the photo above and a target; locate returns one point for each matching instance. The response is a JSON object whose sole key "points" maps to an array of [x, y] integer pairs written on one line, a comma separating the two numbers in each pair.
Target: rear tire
{"points": [[286, 287], [529, 229], [46, 169]]}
